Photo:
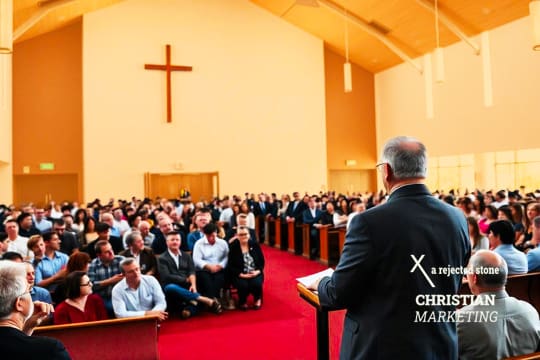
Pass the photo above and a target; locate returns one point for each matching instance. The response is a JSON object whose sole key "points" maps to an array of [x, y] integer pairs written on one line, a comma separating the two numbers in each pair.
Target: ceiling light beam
{"points": [[451, 25]]}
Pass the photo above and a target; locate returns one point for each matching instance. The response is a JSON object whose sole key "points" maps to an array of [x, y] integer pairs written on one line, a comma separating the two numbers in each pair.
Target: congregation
{"points": [[178, 257]]}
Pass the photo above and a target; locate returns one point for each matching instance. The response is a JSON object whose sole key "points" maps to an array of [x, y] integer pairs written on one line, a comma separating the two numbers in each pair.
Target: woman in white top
{"points": [[244, 209], [478, 241]]}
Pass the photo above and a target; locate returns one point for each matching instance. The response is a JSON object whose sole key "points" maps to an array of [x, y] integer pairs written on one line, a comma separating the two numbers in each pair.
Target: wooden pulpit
{"points": [[323, 348]]}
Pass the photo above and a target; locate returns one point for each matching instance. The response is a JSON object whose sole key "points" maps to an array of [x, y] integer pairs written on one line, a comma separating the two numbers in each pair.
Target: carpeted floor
{"points": [[284, 328]]}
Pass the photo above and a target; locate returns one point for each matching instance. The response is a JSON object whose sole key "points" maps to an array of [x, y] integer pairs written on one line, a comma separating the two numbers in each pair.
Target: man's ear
{"points": [[19, 305], [474, 278]]}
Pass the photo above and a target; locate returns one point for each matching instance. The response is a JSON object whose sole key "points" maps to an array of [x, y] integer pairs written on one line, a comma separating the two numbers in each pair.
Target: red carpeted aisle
{"points": [[284, 328]]}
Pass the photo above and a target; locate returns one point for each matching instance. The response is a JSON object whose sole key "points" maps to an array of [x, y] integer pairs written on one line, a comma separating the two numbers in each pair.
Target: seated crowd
{"points": [[141, 257]]}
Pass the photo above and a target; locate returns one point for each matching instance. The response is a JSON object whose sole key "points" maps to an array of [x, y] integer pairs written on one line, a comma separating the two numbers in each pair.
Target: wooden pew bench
{"points": [[133, 338], [532, 356], [525, 287]]}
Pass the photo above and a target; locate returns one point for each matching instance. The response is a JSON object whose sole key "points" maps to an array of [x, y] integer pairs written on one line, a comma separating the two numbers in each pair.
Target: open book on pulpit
{"points": [[310, 279]]}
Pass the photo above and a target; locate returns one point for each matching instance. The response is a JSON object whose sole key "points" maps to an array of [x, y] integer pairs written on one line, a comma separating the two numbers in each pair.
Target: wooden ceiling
{"points": [[408, 24], [56, 13]]}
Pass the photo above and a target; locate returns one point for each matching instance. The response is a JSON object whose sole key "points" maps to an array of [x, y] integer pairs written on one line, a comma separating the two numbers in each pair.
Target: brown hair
{"points": [[78, 262], [34, 239]]}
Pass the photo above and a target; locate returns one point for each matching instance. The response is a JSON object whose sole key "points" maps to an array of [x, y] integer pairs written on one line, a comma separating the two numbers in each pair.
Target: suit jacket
{"points": [[296, 213], [307, 217], [17, 345], [69, 242], [147, 260], [515, 330], [236, 258], [159, 245], [169, 273], [378, 281], [259, 211]]}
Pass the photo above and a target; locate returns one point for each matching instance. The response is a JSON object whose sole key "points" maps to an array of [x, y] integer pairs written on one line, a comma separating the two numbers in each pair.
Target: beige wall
{"points": [[350, 124], [254, 104], [462, 125], [6, 166], [47, 103]]}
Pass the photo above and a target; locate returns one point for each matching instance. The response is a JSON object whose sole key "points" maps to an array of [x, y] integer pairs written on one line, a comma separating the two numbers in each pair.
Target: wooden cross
{"points": [[168, 68]]}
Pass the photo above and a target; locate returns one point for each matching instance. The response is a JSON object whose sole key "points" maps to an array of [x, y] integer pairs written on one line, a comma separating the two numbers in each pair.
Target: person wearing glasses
{"points": [[19, 316], [246, 266], [80, 304], [381, 271]]}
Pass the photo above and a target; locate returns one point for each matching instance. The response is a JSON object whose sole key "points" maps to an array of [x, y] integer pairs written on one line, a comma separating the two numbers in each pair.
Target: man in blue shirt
{"points": [[51, 269], [37, 293], [533, 256], [501, 238], [136, 294]]}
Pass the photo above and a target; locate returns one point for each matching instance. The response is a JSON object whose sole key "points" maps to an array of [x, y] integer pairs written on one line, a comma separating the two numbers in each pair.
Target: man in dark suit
{"points": [[177, 276], [145, 256], [392, 257], [294, 214], [68, 241], [261, 210], [311, 216], [19, 316]]}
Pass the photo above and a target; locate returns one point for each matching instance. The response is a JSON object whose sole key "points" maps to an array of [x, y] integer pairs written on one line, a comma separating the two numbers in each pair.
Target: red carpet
{"points": [[284, 328]]}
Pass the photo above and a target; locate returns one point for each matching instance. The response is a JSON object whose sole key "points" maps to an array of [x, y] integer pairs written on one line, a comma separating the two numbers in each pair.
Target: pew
{"points": [[133, 338], [290, 233], [272, 232], [306, 247], [532, 356], [525, 287], [277, 224], [341, 233], [323, 242]]}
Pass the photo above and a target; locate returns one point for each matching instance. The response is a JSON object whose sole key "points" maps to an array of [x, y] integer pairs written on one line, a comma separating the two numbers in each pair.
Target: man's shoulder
{"points": [[516, 306], [534, 252], [120, 286], [61, 255], [149, 279], [40, 292], [26, 346], [164, 256], [222, 242]]}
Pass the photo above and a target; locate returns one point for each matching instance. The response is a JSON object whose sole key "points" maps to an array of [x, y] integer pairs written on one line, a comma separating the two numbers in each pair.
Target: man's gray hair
{"points": [[489, 275], [126, 262], [130, 238], [406, 156], [12, 285]]}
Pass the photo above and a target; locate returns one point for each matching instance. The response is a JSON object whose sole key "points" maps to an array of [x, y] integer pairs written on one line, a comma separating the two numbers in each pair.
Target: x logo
{"points": [[417, 265]]}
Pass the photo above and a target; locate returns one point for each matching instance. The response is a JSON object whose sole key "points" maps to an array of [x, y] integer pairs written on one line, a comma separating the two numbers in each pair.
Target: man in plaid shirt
{"points": [[104, 272]]}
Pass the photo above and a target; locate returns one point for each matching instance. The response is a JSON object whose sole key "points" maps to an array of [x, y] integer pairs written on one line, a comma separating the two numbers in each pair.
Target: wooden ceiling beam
{"points": [[371, 30], [453, 27], [44, 8]]}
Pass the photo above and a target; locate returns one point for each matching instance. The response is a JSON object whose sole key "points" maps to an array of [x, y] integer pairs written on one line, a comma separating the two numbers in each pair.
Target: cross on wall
{"points": [[168, 68]]}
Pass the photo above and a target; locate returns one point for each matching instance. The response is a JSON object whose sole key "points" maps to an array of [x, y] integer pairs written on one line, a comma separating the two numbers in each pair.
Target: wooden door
{"points": [[42, 189], [202, 186]]}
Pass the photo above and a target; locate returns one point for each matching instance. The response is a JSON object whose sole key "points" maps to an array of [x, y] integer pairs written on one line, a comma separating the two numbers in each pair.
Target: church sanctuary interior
{"points": [[115, 99], [263, 107]]}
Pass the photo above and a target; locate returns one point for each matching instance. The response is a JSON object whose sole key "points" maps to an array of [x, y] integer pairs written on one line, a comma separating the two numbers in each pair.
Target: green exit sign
{"points": [[46, 166]]}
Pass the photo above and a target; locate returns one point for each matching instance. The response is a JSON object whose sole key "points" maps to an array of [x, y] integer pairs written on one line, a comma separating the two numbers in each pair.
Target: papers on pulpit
{"points": [[310, 279]]}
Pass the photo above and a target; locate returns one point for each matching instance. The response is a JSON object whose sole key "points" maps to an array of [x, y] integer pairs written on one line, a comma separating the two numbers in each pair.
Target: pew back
{"points": [[525, 287], [128, 338]]}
